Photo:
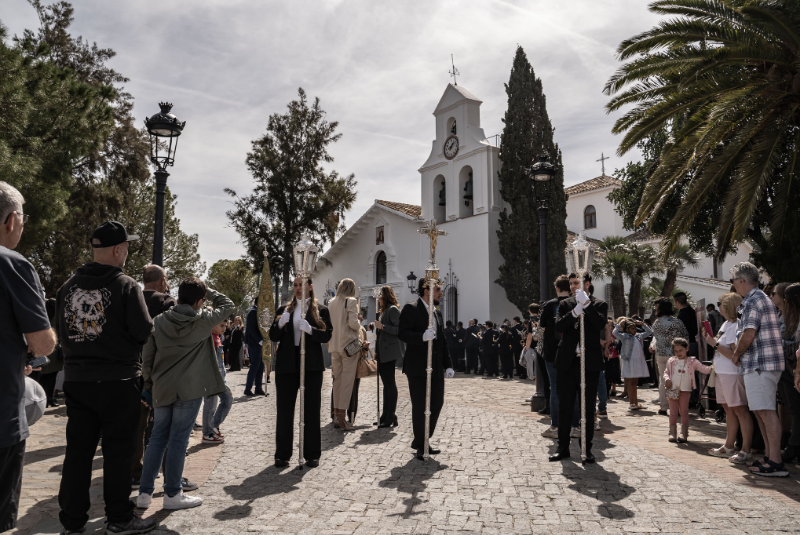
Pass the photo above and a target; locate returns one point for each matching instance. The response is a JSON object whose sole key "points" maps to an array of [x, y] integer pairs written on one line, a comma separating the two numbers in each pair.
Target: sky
{"points": [[378, 67]]}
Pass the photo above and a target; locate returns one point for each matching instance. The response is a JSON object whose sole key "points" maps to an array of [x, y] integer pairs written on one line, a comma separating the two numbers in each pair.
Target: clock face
{"points": [[451, 147]]}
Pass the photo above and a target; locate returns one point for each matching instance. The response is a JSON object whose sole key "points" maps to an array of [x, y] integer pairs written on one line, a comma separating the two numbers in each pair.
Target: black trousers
{"points": [[112, 408], [387, 372], [287, 386], [48, 382], [541, 365], [460, 360], [507, 362], [416, 388], [138, 452], [472, 360], [491, 363], [569, 383], [352, 408], [11, 461]]}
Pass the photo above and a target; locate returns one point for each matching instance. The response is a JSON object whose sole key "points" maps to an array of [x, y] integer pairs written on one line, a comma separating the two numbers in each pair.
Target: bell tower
{"points": [[459, 178]]}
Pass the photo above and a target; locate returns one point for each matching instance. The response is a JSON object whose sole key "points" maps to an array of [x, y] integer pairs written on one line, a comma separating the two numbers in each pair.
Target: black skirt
{"points": [[613, 372]]}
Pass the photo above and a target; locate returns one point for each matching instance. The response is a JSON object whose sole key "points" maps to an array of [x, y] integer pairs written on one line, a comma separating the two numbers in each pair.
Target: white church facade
{"points": [[460, 189]]}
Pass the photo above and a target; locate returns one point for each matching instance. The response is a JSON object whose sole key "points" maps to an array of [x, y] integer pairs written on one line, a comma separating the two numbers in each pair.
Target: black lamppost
{"points": [[276, 262], [543, 173], [412, 283], [164, 129]]}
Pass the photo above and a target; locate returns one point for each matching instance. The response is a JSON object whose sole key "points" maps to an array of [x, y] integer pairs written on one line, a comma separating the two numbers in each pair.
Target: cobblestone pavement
{"points": [[491, 477]]}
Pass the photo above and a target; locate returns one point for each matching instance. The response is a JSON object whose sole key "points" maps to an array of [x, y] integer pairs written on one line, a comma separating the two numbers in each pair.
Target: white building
{"points": [[385, 247]]}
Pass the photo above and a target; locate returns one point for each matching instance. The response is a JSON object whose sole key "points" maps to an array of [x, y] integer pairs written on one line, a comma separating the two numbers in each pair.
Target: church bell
{"points": [[442, 196], [468, 190]]}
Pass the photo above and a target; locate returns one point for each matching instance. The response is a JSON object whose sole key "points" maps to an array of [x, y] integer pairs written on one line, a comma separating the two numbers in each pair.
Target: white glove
{"points": [[430, 334], [261, 343], [284, 319], [582, 297], [578, 310], [304, 326], [449, 373]]}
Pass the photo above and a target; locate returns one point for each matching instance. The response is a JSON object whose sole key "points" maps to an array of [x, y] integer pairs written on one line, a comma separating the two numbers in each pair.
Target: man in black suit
{"points": [[461, 336], [472, 345], [452, 342], [568, 361], [414, 331], [489, 349], [517, 329]]}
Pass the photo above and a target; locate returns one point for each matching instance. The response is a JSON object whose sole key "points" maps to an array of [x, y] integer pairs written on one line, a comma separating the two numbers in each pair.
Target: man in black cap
{"points": [[104, 324]]}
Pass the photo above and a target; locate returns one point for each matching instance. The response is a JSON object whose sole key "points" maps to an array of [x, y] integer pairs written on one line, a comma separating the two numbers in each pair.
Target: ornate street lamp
{"points": [[543, 173], [164, 129], [412, 283]]}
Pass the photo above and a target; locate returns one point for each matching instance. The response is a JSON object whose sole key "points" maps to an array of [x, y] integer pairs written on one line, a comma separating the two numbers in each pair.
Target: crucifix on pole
{"points": [[602, 160], [454, 72]]}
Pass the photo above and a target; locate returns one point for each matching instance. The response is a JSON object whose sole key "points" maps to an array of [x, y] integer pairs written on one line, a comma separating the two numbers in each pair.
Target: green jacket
{"points": [[179, 358]]}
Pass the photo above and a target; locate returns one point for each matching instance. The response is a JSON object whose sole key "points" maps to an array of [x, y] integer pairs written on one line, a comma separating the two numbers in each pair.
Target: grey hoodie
{"points": [[179, 360]]}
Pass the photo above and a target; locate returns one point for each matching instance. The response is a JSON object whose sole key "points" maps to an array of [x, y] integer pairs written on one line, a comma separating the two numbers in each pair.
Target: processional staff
{"points": [[579, 256], [376, 293], [432, 280], [305, 260]]}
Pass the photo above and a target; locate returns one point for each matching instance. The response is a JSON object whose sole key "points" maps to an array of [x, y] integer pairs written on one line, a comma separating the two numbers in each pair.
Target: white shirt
{"points": [[680, 376], [722, 364], [435, 320], [296, 321]]}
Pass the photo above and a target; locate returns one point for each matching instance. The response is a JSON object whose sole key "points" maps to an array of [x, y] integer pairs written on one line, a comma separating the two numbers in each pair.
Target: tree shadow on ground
{"points": [[268, 482], [410, 479]]}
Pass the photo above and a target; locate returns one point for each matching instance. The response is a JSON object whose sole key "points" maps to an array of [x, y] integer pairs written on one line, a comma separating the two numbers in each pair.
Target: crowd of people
{"points": [[138, 365]]}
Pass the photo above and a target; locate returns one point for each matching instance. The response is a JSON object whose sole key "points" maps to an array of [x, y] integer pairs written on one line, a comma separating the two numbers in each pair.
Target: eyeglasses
{"points": [[25, 217]]}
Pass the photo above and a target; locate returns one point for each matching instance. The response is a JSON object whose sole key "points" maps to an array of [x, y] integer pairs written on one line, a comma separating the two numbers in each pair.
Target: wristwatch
{"points": [[716, 346]]}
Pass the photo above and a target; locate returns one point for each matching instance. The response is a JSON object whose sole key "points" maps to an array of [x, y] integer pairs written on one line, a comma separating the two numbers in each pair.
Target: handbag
{"points": [[367, 366], [353, 347]]}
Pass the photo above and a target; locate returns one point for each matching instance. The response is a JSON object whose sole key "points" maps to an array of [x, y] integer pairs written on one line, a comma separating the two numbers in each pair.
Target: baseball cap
{"points": [[111, 233]]}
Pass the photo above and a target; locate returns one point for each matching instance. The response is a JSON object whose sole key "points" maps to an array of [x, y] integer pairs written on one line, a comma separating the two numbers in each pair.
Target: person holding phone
{"points": [[26, 332]]}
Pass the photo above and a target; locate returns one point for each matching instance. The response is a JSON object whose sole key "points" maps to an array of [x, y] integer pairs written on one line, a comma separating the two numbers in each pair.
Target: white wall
{"points": [[609, 222]]}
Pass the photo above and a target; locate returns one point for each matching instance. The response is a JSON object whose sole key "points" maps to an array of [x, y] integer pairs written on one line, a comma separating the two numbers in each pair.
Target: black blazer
{"points": [[461, 336], [488, 345], [593, 324], [285, 360], [413, 323]]}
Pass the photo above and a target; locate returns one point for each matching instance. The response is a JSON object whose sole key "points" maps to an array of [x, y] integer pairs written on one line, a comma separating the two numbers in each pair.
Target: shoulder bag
{"points": [[367, 366], [353, 347]]}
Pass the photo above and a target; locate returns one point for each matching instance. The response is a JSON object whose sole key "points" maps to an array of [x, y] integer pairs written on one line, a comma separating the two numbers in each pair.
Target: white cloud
{"points": [[378, 67]]}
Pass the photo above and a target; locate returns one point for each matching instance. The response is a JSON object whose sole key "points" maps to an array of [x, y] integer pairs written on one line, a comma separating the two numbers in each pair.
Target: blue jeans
{"points": [[172, 427], [215, 410], [576, 415], [602, 392], [256, 367]]}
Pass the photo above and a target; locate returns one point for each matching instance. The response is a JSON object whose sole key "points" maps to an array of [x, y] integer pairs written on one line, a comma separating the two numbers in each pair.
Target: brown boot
{"points": [[684, 436], [673, 431], [342, 416]]}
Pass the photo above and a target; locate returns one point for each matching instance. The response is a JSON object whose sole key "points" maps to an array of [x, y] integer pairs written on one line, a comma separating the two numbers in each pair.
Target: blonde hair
{"points": [[237, 318], [729, 302], [346, 288]]}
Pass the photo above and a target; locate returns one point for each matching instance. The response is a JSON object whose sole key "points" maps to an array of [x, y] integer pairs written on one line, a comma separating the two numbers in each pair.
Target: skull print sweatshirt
{"points": [[103, 324]]}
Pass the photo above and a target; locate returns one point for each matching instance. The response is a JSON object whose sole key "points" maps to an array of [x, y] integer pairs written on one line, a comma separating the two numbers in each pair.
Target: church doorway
{"points": [[450, 297]]}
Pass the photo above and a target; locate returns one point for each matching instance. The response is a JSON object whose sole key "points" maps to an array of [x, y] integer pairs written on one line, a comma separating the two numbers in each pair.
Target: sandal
{"points": [[771, 469], [756, 464], [742, 457], [722, 451], [634, 407]]}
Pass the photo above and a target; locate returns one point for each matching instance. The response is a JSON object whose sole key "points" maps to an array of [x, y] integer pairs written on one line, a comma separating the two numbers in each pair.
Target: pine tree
{"points": [[527, 134]]}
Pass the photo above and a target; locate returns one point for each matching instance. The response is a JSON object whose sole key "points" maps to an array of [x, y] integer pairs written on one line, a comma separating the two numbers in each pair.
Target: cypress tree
{"points": [[528, 133]]}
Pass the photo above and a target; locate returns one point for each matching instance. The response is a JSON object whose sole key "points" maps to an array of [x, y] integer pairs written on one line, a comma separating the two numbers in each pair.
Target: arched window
{"points": [[380, 268], [590, 217]]}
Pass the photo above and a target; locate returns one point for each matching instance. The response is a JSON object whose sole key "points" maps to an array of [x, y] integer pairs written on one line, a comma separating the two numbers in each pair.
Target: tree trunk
{"points": [[669, 283], [635, 294], [618, 294]]}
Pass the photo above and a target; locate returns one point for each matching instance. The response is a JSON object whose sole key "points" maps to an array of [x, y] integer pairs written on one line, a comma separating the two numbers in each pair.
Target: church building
{"points": [[460, 189]]}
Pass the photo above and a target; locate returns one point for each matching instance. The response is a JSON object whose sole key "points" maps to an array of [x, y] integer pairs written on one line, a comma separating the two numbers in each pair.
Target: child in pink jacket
{"points": [[679, 376]]}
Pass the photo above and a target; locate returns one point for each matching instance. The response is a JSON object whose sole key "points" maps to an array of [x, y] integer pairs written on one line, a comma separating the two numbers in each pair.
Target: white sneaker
{"points": [[575, 432], [181, 501], [143, 500], [550, 432]]}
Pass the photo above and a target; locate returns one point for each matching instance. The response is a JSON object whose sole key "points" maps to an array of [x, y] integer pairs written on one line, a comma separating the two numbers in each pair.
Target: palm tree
{"points": [[724, 77], [612, 262], [677, 260], [644, 263]]}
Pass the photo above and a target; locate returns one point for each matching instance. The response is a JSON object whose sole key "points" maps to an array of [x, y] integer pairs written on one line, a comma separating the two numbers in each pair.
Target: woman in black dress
{"points": [[286, 330], [235, 347]]}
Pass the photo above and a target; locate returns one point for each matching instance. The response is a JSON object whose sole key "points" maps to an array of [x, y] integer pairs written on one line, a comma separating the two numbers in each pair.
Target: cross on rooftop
{"points": [[602, 159], [454, 72]]}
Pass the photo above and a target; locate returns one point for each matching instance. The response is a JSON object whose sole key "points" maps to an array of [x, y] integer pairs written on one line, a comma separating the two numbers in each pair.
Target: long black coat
{"points": [[413, 323], [594, 323], [285, 361]]}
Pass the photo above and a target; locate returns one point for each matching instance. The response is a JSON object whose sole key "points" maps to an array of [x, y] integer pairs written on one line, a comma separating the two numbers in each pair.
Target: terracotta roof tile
{"points": [[412, 210], [642, 235], [593, 184]]}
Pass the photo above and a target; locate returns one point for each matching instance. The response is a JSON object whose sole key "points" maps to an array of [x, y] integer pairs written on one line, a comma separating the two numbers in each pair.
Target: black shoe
{"points": [[268, 381], [545, 409], [66, 531], [280, 463], [260, 393], [188, 486], [420, 455], [312, 463], [394, 421], [662, 412], [559, 456], [589, 458], [134, 525], [53, 403], [414, 446], [248, 393], [135, 483], [434, 451]]}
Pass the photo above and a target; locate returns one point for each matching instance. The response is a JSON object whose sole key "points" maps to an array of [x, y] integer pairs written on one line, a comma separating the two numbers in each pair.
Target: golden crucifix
{"points": [[433, 233]]}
